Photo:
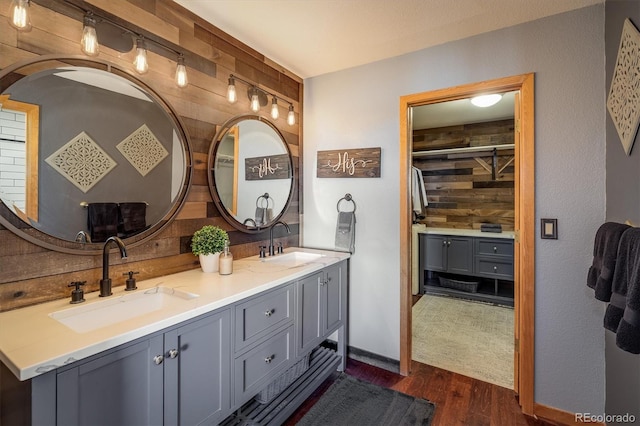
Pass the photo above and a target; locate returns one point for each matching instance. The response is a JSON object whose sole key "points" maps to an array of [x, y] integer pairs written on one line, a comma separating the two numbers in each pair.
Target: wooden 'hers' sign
{"points": [[267, 167], [349, 163]]}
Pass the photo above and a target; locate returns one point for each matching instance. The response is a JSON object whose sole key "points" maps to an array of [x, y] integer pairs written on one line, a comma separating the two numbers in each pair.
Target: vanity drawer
{"points": [[260, 365], [492, 267], [258, 316], [494, 247]]}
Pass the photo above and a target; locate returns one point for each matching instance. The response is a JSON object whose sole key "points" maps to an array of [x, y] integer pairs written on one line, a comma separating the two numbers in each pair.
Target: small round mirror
{"points": [[250, 173]]}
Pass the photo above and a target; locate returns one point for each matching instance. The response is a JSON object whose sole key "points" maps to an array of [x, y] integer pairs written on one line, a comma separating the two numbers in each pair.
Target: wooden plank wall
{"points": [[460, 191], [30, 274]]}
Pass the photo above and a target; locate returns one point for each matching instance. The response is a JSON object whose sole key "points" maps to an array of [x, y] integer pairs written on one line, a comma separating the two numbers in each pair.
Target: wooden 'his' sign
{"points": [[349, 163], [267, 167]]}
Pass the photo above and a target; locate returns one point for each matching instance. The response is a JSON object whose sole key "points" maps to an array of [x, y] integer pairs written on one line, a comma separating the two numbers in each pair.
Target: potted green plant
{"points": [[207, 243]]}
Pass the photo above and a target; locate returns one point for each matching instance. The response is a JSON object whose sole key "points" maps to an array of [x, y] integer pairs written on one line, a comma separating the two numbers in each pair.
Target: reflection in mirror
{"points": [[110, 157], [251, 177]]}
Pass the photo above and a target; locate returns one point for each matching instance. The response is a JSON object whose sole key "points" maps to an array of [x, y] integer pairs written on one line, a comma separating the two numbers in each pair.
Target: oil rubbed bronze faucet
{"points": [[271, 247], [105, 282]]}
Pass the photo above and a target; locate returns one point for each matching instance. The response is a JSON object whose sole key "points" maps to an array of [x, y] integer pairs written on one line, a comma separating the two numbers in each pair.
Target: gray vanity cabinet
{"points": [[178, 377], [121, 387], [321, 305], [197, 371], [447, 253]]}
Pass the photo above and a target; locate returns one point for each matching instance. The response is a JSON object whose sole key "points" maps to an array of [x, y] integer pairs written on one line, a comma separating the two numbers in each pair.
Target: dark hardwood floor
{"points": [[459, 400]]}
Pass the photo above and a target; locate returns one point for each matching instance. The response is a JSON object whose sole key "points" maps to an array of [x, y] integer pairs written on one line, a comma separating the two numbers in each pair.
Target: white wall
{"points": [[359, 107]]}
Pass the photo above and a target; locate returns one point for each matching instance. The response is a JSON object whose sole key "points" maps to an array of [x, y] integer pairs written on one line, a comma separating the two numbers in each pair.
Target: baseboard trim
{"points": [[560, 416], [367, 357]]}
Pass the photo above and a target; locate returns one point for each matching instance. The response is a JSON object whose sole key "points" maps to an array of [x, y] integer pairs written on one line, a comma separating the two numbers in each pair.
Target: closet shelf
{"points": [[470, 149]]}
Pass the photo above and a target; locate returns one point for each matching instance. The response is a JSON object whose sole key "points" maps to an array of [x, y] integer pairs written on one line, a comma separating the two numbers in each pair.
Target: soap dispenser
{"points": [[225, 266]]}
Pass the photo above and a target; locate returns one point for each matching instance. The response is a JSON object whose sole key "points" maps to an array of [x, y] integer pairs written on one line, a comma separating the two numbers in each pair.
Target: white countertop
{"points": [[466, 232], [32, 343]]}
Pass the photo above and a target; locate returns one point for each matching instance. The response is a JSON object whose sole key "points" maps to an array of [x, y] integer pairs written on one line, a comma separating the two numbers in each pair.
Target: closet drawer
{"points": [[260, 315], [492, 267], [494, 247], [260, 365]]}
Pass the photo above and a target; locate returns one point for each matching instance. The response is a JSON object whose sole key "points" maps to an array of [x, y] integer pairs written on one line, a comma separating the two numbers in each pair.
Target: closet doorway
{"points": [[523, 227]]}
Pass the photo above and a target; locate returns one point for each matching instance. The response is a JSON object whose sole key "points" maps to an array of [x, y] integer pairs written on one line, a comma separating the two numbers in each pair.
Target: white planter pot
{"points": [[209, 262]]}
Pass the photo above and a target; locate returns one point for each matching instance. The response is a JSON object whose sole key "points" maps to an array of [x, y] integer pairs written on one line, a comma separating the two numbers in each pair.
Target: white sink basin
{"points": [[114, 309], [294, 258]]}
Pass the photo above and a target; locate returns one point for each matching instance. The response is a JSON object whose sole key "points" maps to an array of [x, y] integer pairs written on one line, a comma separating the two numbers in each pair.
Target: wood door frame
{"points": [[32, 141], [524, 226]]}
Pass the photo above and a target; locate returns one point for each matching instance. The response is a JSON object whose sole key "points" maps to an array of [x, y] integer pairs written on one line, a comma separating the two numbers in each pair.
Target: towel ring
{"points": [[347, 197], [264, 198]]}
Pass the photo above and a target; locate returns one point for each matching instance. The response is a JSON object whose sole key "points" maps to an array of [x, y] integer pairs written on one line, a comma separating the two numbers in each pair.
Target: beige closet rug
{"points": [[470, 338]]}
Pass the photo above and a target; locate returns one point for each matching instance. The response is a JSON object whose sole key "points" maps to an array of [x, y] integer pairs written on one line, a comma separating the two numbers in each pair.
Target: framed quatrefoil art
{"points": [[623, 102]]}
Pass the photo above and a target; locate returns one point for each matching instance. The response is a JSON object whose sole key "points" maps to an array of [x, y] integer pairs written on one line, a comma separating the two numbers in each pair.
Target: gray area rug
{"points": [[353, 402]]}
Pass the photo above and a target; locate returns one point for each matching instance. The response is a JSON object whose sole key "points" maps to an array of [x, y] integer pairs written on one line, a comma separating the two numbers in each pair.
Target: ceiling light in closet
{"points": [[484, 101]]}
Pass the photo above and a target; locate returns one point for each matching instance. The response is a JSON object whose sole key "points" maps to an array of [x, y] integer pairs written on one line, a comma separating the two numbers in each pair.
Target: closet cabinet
{"points": [[446, 253], [181, 376], [466, 256]]}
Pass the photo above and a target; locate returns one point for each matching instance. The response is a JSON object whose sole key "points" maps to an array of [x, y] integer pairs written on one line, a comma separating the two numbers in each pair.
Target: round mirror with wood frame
{"points": [[103, 155], [250, 173]]}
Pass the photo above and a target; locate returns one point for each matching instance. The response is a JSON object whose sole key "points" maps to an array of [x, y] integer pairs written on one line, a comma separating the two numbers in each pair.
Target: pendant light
{"points": [[19, 15], [255, 100], [232, 95], [275, 113], [291, 118], [140, 62], [181, 73], [89, 43]]}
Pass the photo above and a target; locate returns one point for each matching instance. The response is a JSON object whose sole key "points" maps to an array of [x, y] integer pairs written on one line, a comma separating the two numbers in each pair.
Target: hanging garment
{"points": [[418, 192]]}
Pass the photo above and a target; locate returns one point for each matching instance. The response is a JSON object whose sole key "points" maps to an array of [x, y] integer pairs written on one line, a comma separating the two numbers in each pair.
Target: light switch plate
{"points": [[549, 229]]}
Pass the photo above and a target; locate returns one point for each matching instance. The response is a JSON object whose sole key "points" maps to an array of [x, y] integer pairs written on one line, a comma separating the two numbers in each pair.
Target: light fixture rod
{"points": [[98, 17], [248, 83]]}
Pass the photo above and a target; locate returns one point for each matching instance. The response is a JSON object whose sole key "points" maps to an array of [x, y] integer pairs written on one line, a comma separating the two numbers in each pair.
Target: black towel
{"points": [[102, 220], [605, 252], [627, 269], [133, 218], [628, 333]]}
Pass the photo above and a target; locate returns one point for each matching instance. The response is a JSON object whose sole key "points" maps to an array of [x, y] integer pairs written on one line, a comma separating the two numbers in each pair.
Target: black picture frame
{"points": [[549, 229]]}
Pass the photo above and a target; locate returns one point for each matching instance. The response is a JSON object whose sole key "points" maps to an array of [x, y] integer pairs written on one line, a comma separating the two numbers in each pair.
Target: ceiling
{"points": [[315, 37]]}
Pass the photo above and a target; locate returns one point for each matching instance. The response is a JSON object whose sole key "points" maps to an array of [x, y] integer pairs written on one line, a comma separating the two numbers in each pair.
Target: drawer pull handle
{"points": [[495, 269], [268, 359], [269, 312], [495, 249], [173, 353], [158, 359]]}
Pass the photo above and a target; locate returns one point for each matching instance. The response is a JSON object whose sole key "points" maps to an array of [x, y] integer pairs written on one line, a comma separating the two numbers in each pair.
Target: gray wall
{"points": [[623, 203], [359, 108]]}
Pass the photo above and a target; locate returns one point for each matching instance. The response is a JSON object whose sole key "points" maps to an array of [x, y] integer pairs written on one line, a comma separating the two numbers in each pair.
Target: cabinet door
{"points": [[433, 249], [460, 255], [197, 371], [122, 387], [308, 321], [334, 294]]}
